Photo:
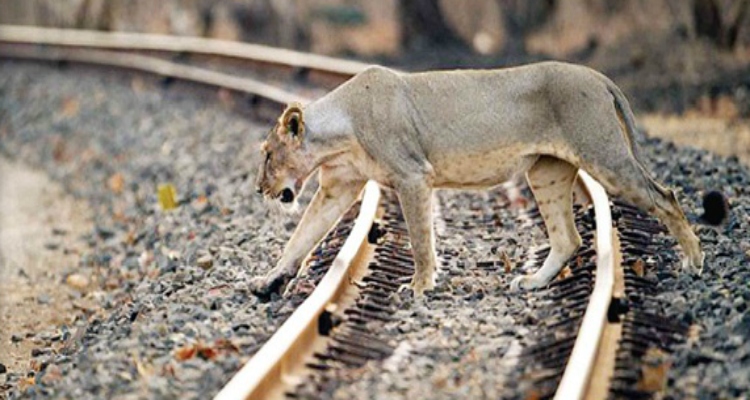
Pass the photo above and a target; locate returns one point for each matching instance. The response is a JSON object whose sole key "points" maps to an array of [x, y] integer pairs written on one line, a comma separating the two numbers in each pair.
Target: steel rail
{"points": [[261, 377], [156, 66], [575, 380], [178, 44]]}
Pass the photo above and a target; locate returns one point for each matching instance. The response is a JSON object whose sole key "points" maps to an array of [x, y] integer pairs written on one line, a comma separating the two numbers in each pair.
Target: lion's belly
{"points": [[479, 170]]}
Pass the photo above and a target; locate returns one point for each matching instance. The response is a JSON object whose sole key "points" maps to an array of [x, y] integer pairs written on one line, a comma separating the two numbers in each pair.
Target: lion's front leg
{"points": [[416, 203], [330, 201]]}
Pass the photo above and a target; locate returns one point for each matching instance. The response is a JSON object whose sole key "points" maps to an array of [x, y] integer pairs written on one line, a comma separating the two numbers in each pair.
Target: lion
{"points": [[462, 129]]}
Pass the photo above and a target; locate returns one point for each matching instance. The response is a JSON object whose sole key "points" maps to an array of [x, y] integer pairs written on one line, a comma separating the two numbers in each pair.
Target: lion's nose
{"points": [[287, 195]]}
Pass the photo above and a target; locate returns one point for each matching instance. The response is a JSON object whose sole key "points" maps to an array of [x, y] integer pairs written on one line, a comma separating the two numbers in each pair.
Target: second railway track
{"points": [[240, 68], [603, 291]]}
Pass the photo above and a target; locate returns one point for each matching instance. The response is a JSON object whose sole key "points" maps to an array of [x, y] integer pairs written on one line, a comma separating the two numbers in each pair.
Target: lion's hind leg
{"points": [[551, 181], [416, 202]]}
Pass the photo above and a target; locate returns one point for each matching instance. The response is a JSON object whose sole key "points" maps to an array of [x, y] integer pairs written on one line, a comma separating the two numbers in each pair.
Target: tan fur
{"points": [[462, 129]]}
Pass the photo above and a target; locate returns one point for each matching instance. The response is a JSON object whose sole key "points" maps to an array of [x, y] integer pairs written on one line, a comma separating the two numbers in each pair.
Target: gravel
{"points": [[715, 361], [161, 320], [171, 316], [463, 339]]}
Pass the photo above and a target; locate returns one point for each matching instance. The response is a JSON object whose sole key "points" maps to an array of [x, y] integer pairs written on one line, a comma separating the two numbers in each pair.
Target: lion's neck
{"points": [[328, 130]]}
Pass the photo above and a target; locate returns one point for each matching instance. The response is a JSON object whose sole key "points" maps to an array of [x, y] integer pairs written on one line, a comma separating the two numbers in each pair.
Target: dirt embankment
{"points": [[39, 229]]}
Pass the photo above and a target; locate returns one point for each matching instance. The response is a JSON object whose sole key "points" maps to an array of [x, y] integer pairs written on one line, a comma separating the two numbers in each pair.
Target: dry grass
{"points": [[720, 135]]}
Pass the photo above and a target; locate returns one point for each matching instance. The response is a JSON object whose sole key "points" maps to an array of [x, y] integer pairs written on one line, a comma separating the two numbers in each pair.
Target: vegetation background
{"points": [[685, 64]]}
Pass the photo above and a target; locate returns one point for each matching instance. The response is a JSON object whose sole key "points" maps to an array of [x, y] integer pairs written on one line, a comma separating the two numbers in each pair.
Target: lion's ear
{"points": [[293, 121]]}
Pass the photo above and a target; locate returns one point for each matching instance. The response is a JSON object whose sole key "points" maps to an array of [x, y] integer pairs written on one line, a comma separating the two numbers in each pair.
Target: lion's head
{"points": [[286, 163]]}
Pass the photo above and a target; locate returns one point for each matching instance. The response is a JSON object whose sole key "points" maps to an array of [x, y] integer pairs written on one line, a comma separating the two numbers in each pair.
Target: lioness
{"points": [[462, 129]]}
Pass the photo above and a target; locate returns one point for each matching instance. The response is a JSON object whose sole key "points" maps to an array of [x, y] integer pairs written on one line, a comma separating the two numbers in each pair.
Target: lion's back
{"points": [[467, 111]]}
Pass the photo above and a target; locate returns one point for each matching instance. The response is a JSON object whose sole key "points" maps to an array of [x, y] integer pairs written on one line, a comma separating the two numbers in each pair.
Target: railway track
{"points": [[178, 46], [602, 335], [354, 337]]}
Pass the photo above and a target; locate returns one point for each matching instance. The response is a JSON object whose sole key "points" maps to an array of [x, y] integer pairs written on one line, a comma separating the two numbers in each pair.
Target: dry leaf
{"points": [[69, 107], [130, 238], [217, 290], [533, 394], [207, 353], [507, 264], [167, 196], [203, 351], [440, 382], [116, 183], [112, 283], [226, 344], [639, 267], [27, 382], [185, 352], [35, 365], [654, 371]]}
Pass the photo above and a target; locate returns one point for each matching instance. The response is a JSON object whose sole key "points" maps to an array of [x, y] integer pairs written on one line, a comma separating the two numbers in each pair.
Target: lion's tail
{"points": [[625, 114]]}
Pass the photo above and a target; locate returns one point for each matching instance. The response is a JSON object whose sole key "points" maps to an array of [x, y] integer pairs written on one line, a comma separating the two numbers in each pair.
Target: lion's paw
{"points": [[694, 265], [422, 283], [264, 286], [524, 283]]}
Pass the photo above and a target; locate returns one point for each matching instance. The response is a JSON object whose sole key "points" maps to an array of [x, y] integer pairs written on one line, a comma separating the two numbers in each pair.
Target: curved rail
{"points": [[158, 67], [263, 375], [114, 49], [575, 380], [178, 44]]}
